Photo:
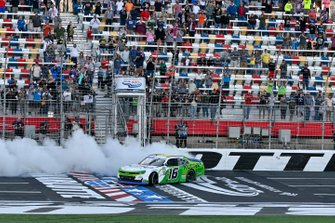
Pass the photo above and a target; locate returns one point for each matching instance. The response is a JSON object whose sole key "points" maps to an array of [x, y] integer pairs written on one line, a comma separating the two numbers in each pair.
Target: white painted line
{"points": [[19, 192], [13, 183], [115, 193], [311, 185], [324, 194], [126, 199], [301, 178]]}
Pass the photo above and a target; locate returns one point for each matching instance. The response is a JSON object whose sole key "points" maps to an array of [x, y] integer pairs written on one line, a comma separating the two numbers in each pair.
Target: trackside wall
{"points": [[266, 160]]}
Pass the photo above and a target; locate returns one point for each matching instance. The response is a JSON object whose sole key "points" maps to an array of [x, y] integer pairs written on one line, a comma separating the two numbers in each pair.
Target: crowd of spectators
{"points": [[62, 72], [166, 23]]}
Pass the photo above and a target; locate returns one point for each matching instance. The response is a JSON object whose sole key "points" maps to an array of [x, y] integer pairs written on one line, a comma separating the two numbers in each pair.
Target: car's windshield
{"points": [[152, 161]]}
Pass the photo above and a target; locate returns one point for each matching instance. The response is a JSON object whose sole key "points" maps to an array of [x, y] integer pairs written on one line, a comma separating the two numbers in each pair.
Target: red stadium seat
{"points": [[21, 62], [30, 42], [220, 40], [6, 42], [256, 76], [7, 23]]}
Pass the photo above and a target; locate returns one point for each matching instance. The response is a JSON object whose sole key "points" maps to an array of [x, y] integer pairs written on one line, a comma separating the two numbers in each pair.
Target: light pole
{"points": [[4, 95], [61, 53]]}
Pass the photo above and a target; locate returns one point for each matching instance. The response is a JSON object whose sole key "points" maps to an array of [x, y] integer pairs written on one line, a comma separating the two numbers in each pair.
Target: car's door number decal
{"points": [[173, 173]]}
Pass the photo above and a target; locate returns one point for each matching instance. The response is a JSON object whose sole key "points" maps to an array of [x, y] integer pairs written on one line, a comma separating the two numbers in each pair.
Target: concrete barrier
{"points": [[266, 160]]}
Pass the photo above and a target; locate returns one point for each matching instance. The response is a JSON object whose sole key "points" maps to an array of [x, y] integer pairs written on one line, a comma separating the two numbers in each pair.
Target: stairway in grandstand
{"points": [[103, 110], [103, 104], [79, 36]]}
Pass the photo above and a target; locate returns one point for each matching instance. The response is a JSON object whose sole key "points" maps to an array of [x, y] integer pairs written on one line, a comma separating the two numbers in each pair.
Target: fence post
{"points": [[270, 129], [323, 132], [218, 116]]}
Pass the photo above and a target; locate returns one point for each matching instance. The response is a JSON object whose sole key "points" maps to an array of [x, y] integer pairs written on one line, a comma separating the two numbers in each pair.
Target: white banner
{"points": [[130, 83]]}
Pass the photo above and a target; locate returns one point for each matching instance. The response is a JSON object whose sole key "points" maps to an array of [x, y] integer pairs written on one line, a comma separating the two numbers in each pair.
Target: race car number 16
{"points": [[173, 173]]}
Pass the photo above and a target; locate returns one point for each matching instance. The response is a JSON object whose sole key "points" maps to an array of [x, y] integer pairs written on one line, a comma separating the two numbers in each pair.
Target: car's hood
{"points": [[136, 167]]}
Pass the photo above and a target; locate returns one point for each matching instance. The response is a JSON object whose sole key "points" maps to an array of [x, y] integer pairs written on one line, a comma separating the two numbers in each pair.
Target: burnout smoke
{"points": [[22, 157]]}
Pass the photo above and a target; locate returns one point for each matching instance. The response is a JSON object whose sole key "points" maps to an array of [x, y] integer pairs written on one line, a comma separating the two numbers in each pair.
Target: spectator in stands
{"points": [[288, 8], [252, 21], [160, 35], [283, 107], [18, 125], [263, 101], [292, 104], [232, 10], [307, 6], [262, 22], [265, 58], [303, 41], [320, 40], [15, 5], [60, 33], [306, 76], [244, 57], [22, 94], [181, 132], [281, 89], [326, 5], [214, 102], [219, 16], [37, 22], [234, 58], [46, 29], [318, 113], [36, 72], [2, 5], [57, 20], [95, 23], [300, 103], [117, 65], [141, 27], [53, 12], [109, 14], [74, 54], [283, 70], [309, 104], [272, 69], [67, 96], [242, 12], [328, 107], [70, 32], [247, 104], [21, 24], [271, 106]]}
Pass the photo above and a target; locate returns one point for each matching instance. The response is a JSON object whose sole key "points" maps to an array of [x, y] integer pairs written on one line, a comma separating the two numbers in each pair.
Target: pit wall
{"points": [[266, 160]]}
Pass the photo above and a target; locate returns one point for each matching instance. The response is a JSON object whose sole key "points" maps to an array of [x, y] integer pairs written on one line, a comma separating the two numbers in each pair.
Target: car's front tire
{"points": [[153, 178], [190, 176]]}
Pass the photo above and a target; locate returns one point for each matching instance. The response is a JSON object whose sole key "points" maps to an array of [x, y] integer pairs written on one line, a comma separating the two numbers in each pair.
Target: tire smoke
{"points": [[23, 157]]}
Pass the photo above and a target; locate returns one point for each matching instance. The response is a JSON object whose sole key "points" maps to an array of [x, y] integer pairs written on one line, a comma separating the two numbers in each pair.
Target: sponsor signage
{"points": [[266, 160], [130, 83]]}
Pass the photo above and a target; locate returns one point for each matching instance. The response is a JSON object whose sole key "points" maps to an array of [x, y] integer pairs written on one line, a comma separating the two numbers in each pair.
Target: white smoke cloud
{"points": [[22, 157]]}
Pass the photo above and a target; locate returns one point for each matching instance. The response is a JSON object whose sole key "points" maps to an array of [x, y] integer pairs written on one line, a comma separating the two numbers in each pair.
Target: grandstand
{"points": [[249, 74]]}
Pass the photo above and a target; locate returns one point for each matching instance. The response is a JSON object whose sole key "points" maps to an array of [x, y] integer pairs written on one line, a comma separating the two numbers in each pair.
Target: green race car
{"points": [[162, 169]]}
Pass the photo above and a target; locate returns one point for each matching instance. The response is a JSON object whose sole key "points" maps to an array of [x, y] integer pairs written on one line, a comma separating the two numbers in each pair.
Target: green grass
{"points": [[160, 219]]}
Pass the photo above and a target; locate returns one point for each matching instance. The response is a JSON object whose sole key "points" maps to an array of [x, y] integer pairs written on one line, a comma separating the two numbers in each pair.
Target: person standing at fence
{"points": [[319, 98], [18, 127], [306, 76], [247, 104], [263, 101], [181, 131], [292, 105], [309, 105]]}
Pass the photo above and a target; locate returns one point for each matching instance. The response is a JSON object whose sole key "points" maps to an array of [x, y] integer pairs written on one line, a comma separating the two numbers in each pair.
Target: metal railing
{"points": [[235, 125]]}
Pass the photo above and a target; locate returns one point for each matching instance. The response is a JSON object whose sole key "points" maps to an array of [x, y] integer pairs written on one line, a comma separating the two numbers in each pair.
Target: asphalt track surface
{"points": [[218, 193]]}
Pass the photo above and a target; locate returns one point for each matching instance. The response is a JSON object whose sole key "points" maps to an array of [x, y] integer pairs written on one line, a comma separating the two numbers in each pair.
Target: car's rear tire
{"points": [[190, 176], [153, 178]]}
